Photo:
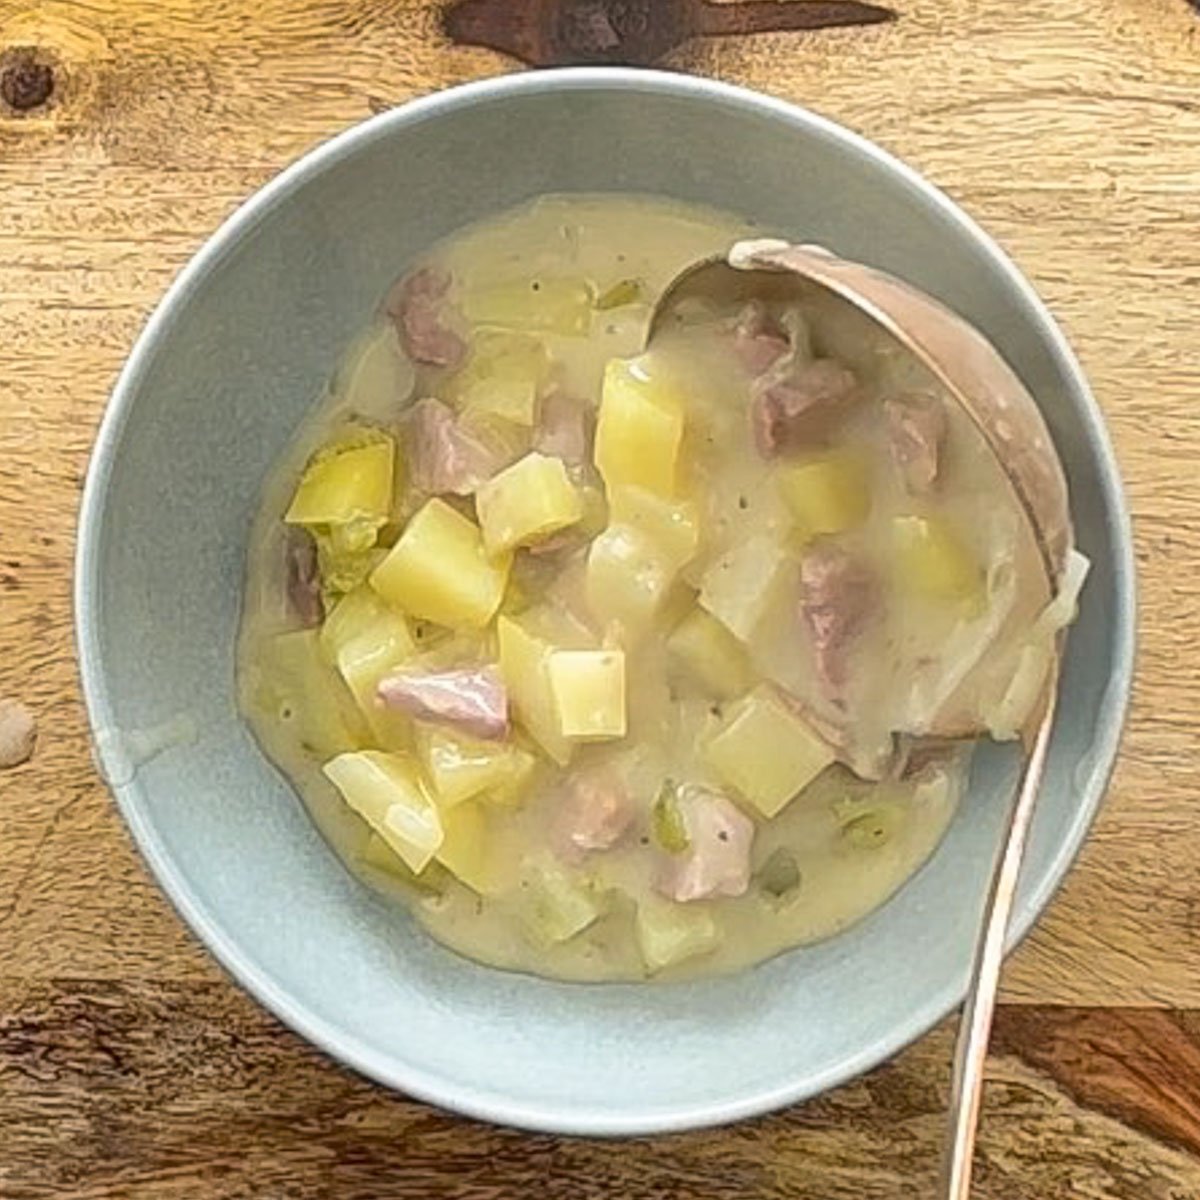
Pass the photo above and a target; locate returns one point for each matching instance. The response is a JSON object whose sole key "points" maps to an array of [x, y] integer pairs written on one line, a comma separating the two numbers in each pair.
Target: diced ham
{"points": [[838, 596], [717, 859], [303, 581], [472, 700], [564, 429], [916, 426], [758, 340], [594, 814], [796, 406], [418, 308], [445, 457]]}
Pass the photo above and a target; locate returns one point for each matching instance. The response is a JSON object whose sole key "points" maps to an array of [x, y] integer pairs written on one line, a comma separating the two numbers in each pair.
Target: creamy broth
{"points": [[714, 665]]}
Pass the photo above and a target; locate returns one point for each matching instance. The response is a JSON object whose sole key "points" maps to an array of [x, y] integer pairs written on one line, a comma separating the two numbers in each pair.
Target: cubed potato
{"points": [[439, 570], [826, 493], [348, 481], [740, 585], [639, 429], [462, 768], [524, 664], [465, 846], [294, 682], [589, 693], [555, 906], [932, 561], [670, 933], [502, 378], [387, 792], [704, 650], [358, 612], [526, 503], [628, 579], [766, 752], [366, 641], [673, 525], [541, 304]]}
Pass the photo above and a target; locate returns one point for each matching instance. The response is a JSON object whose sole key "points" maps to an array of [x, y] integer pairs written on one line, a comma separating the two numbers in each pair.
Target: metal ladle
{"points": [[987, 390]]}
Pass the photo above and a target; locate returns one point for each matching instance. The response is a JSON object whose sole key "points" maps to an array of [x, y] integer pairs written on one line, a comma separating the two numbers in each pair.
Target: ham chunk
{"points": [[472, 700], [444, 456], [758, 340], [916, 426], [717, 859], [564, 429], [303, 584], [838, 596], [795, 407], [595, 814], [418, 308]]}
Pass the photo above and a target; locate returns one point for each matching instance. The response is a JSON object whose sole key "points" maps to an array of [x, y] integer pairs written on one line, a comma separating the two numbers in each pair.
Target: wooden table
{"points": [[130, 1067]]}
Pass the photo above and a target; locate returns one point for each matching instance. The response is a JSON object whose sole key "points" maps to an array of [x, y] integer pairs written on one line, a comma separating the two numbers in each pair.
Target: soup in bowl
{"points": [[348, 261]]}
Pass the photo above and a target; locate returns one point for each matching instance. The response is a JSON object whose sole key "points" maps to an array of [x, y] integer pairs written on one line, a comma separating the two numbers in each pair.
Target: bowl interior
{"points": [[226, 370]]}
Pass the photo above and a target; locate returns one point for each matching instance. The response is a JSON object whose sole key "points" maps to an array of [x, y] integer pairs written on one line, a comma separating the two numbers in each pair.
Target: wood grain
{"points": [[150, 1091], [129, 1066]]}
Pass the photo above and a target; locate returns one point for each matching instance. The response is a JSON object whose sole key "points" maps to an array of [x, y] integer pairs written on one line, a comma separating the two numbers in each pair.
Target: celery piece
{"points": [[351, 479], [556, 907], [667, 825], [670, 933]]}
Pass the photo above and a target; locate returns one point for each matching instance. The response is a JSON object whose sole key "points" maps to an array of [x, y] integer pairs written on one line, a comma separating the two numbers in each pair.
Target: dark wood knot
{"points": [[26, 82]]}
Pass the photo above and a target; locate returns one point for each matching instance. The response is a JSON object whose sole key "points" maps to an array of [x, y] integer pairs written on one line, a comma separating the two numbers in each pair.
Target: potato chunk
{"points": [[639, 429], [463, 768], [366, 640], [674, 526], [464, 848], [628, 578], [589, 693], [766, 752], [826, 493], [669, 933], [526, 503], [439, 570], [707, 652], [387, 792], [524, 664], [347, 482], [740, 585], [931, 561]]}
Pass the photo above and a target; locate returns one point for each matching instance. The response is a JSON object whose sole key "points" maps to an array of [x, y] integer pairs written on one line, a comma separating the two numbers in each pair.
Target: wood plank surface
{"points": [[129, 1066]]}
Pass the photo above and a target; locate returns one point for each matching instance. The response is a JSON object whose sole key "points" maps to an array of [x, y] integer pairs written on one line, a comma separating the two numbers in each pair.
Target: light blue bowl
{"points": [[219, 380]]}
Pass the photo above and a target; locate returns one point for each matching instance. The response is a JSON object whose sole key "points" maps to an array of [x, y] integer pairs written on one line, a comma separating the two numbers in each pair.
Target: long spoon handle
{"points": [[970, 1054]]}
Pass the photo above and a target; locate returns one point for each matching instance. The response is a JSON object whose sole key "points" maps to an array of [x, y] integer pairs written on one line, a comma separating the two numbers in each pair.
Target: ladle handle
{"points": [[970, 1055]]}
